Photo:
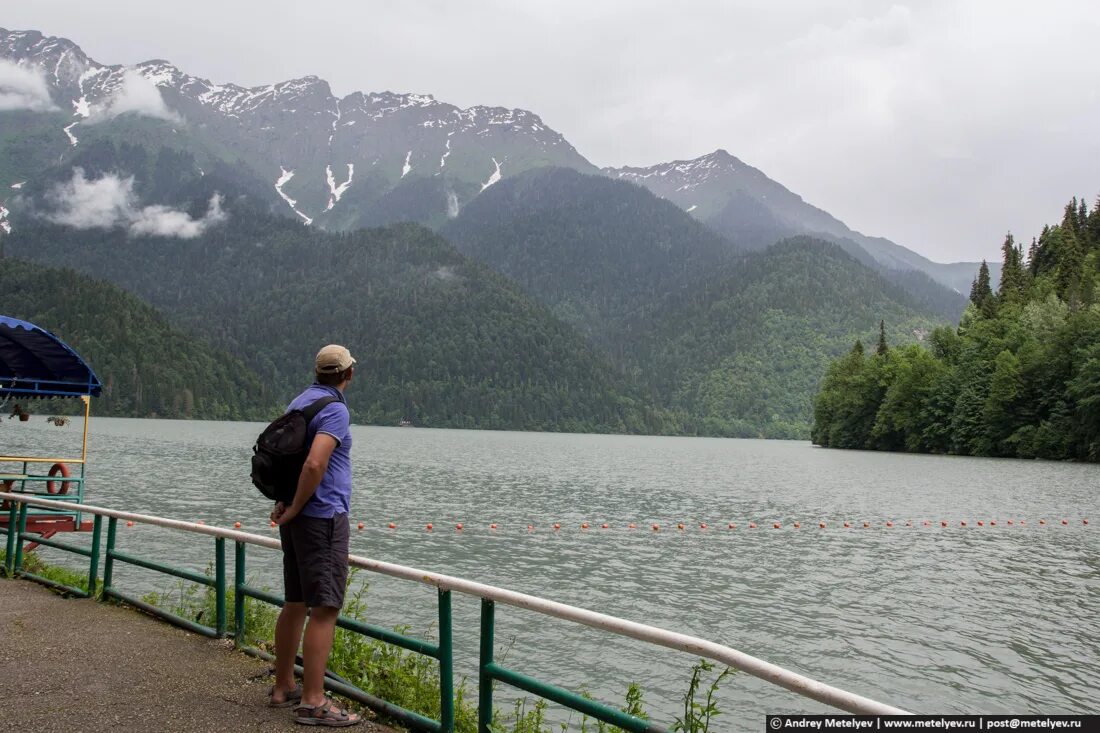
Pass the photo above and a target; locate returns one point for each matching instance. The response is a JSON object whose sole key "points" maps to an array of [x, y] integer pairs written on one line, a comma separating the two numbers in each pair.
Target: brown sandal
{"points": [[326, 714]]}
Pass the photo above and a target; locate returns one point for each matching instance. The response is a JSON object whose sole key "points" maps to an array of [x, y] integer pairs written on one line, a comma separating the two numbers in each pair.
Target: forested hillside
{"points": [[1019, 377], [742, 352], [597, 251], [440, 339], [148, 368], [734, 343]]}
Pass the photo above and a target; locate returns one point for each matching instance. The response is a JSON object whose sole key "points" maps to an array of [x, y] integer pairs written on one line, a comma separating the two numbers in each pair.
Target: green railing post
{"points": [[9, 557], [93, 568], [109, 556], [238, 593], [219, 584], [446, 665], [485, 680], [20, 528]]}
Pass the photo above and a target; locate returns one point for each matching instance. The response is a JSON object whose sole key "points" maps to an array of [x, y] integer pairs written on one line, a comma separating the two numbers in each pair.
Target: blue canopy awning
{"points": [[35, 363]]}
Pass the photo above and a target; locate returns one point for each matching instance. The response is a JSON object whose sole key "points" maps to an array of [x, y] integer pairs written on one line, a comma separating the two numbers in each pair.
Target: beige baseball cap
{"points": [[333, 358]]}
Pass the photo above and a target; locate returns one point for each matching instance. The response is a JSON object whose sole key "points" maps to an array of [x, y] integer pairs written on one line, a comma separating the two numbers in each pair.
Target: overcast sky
{"points": [[937, 124]]}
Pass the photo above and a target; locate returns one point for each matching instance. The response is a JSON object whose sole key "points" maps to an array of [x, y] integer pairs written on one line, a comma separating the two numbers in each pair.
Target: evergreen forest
{"points": [[1019, 377], [148, 368]]}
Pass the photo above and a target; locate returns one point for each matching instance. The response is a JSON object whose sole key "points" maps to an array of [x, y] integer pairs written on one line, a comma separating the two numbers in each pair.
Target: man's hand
{"points": [[288, 513], [277, 512]]}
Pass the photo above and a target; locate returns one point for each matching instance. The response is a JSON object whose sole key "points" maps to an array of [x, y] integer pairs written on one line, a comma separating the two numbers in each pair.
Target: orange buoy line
{"points": [[681, 526]]}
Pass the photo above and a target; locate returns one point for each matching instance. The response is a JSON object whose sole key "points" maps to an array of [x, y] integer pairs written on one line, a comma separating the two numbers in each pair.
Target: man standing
{"points": [[314, 533]]}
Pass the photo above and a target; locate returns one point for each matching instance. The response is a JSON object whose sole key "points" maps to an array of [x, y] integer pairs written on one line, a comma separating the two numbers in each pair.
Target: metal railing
{"points": [[489, 671]]}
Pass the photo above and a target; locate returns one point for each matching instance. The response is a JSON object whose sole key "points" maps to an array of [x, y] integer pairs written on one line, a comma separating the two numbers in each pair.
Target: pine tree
{"points": [[883, 347], [1070, 222], [981, 294], [1013, 276]]}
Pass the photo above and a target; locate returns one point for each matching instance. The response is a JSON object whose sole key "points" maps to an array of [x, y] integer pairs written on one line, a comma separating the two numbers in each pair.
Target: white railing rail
{"points": [[805, 686]]}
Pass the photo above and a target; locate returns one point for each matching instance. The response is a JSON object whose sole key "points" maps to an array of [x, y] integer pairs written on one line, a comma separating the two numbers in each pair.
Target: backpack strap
{"points": [[316, 406]]}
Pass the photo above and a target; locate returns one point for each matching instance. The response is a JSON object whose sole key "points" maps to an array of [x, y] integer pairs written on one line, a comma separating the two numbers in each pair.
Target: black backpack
{"points": [[281, 451]]}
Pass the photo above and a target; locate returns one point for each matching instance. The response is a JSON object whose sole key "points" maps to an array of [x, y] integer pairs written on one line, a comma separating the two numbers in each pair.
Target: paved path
{"points": [[79, 665]]}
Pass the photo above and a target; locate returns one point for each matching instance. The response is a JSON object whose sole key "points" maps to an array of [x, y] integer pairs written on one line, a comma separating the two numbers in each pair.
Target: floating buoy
{"points": [[1042, 521], [557, 526], [775, 525], [391, 525], [702, 525], [656, 528], [925, 523], [797, 525], [360, 526], [943, 524], [866, 525], [458, 526], [273, 524], [631, 526], [981, 523], [1084, 521], [530, 528], [131, 524], [992, 522], [1022, 522], [236, 525], [962, 523], [1010, 523], [889, 523], [909, 523], [680, 525], [584, 525], [821, 525], [1065, 521], [603, 526], [752, 525], [732, 525], [428, 526], [847, 525], [492, 526]]}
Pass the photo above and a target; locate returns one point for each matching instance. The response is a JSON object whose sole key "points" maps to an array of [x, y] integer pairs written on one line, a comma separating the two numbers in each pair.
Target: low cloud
{"points": [[23, 88], [135, 94], [110, 201]]}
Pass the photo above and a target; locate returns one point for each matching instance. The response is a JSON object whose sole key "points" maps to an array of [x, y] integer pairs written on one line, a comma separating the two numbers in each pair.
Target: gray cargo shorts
{"points": [[315, 560]]}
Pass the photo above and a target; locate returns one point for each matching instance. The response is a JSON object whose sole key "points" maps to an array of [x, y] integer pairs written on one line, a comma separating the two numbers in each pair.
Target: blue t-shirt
{"points": [[333, 495]]}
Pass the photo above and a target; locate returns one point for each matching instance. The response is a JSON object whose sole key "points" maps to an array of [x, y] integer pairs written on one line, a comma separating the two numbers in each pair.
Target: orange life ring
{"points": [[58, 469]]}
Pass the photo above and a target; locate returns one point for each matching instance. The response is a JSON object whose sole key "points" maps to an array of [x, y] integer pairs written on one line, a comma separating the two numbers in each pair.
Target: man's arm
{"points": [[312, 472]]}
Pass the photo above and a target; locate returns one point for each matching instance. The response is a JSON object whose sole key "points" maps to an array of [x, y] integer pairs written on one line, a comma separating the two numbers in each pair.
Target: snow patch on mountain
{"points": [[336, 191], [68, 131], [284, 179], [407, 167], [494, 177], [17, 186], [4, 223], [443, 160], [692, 208]]}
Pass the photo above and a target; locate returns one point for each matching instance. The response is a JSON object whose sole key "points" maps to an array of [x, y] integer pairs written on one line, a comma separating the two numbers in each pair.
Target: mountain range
{"points": [[491, 275], [373, 158]]}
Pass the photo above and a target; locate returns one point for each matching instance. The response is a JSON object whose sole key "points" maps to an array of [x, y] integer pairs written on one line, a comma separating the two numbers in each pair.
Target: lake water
{"points": [[939, 620]]}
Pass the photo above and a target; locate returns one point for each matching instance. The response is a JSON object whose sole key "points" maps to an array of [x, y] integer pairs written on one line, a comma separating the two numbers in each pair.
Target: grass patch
{"points": [[34, 564]]}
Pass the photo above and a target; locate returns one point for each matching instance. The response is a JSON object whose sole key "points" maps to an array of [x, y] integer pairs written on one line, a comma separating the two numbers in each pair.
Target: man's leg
{"points": [[315, 653], [288, 635], [288, 628]]}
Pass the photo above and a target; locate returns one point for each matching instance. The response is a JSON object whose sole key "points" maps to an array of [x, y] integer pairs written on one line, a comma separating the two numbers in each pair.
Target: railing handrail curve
{"points": [[779, 676]]}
